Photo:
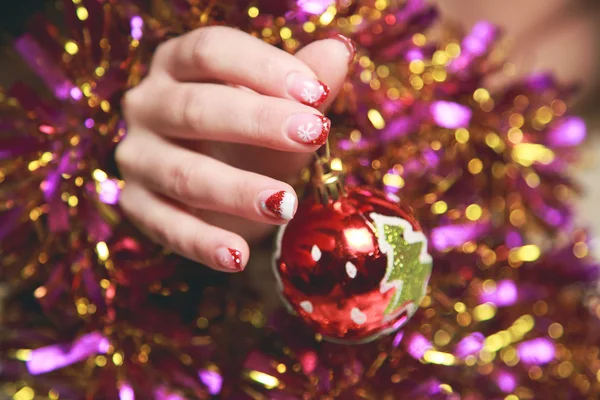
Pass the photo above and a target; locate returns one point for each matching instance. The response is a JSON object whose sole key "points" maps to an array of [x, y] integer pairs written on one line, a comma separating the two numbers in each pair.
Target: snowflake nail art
{"points": [[306, 89], [314, 93], [309, 132], [315, 132]]}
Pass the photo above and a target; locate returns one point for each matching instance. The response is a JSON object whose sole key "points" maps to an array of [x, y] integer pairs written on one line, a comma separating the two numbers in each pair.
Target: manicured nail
{"points": [[279, 204], [307, 90], [349, 45], [309, 128], [229, 259]]}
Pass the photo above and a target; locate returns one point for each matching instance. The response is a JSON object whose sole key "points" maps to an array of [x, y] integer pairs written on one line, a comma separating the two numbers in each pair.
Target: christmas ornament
{"points": [[353, 263]]}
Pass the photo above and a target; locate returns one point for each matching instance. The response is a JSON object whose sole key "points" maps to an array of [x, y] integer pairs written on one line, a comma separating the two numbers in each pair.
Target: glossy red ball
{"points": [[354, 269]]}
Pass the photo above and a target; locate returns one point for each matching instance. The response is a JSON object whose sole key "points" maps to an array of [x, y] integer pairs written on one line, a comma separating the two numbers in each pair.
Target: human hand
{"points": [[213, 127]]}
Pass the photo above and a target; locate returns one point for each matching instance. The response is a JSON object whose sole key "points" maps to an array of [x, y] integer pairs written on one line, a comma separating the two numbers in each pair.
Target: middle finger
{"points": [[227, 114]]}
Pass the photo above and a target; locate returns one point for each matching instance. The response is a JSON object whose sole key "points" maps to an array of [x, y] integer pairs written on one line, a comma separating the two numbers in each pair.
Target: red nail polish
{"points": [[325, 128], [349, 45], [307, 89], [236, 256], [281, 204], [230, 260]]}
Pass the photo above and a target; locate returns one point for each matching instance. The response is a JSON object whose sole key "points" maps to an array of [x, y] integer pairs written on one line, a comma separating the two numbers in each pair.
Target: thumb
{"points": [[329, 59]]}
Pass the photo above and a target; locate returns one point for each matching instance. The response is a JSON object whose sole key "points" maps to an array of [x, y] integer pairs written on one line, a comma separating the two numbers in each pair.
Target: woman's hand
{"points": [[219, 119]]}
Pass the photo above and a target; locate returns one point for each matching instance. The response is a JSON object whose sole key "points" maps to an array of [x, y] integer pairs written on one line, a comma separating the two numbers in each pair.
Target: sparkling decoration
{"points": [[354, 269], [92, 309]]}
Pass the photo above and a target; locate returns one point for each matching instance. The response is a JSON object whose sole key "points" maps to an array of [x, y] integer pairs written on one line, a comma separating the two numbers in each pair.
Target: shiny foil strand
{"points": [[95, 310]]}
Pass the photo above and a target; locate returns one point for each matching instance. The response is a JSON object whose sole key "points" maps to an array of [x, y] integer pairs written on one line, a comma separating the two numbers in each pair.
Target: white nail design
{"points": [[308, 132], [281, 204], [310, 92], [288, 204]]}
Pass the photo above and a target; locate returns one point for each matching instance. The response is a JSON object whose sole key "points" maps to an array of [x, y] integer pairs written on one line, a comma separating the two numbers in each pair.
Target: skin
{"points": [[206, 136]]}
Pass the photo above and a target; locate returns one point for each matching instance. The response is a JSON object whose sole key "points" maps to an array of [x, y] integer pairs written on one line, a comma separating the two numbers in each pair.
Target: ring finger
{"points": [[202, 182]]}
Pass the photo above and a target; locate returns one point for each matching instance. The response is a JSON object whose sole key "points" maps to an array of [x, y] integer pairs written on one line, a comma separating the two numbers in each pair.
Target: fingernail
{"points": [[230, 259], [309, 128], [349, 43], [280, 204], [307, 90]]}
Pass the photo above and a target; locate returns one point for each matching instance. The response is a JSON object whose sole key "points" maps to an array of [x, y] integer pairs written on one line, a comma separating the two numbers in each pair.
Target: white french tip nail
{"points": [[281, 204], [288, 205]]}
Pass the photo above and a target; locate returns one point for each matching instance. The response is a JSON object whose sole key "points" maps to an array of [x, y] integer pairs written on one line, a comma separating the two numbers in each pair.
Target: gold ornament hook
{"points": [[327, 183]]}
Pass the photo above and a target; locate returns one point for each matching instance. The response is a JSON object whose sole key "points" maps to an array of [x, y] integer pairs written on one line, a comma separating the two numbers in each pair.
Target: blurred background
{"points": [[562, 36]]}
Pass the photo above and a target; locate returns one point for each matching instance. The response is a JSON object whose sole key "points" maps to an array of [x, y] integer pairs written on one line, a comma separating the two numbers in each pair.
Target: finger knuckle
{"points": [[123, 155], [190, 108], [241, 197], [269, 68], [130, 102], [163, 234], [182, 176], [210, 196], [261, 122], [162, 50], [203, 41], [165, 55]]}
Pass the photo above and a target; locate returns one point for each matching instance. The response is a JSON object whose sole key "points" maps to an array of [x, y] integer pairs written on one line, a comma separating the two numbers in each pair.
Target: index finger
{"points": [[231, 56]]}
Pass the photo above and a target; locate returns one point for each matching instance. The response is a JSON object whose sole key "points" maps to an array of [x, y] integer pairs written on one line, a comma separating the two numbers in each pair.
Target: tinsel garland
{"points": [[95, 311]]}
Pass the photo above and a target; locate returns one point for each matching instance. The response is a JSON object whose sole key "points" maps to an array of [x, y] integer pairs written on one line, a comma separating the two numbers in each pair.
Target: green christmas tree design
{"points": [[409, 264]]}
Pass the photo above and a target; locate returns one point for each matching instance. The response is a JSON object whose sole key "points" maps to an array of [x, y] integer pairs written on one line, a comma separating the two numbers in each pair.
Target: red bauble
{"points": [[353, 269]]}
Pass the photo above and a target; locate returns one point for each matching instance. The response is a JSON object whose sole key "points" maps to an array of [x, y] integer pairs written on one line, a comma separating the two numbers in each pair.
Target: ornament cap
{"points": [[328, 184]]}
